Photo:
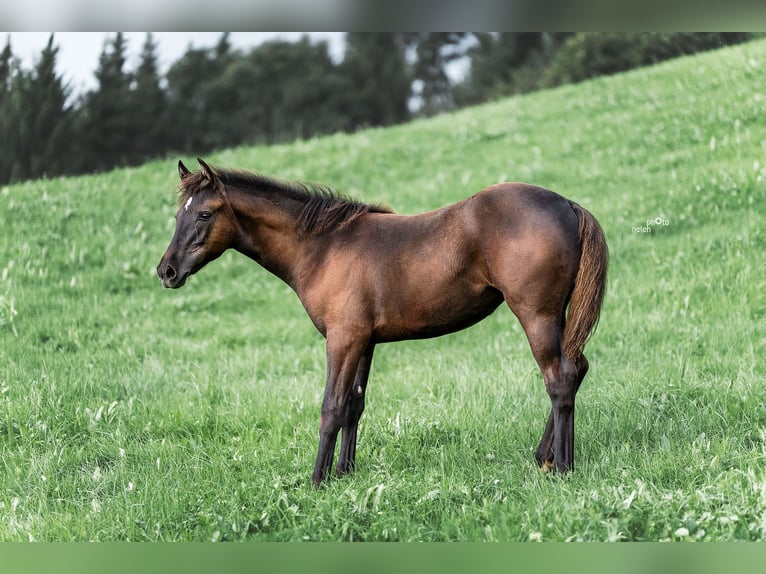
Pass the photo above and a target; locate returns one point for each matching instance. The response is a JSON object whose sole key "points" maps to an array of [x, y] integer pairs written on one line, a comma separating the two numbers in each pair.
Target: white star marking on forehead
{"points": [[188, 203]]}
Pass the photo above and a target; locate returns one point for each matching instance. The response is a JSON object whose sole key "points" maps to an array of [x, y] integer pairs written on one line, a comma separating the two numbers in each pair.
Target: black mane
{"points": [[321, 208]]}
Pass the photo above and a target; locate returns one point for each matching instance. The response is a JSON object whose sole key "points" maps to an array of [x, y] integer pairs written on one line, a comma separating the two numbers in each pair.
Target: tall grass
{"points": [[129, 412]]}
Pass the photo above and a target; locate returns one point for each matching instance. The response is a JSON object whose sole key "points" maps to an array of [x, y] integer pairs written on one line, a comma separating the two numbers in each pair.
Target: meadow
{"points": [[133, 413]]}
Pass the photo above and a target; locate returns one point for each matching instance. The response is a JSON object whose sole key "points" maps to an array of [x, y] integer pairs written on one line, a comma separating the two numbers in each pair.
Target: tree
{"points": [[8, 117], [147, 106], [193, 92], [6, 60], [507, 63], [278, 91], [43, 119], [283, 90], [379, 84], [106, 115], [434, 51], [310, 88], [589, 54], [53, 122]]}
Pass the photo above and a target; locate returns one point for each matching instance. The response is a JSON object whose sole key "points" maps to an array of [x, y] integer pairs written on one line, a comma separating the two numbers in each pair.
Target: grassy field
{"points": [[131, 412]]}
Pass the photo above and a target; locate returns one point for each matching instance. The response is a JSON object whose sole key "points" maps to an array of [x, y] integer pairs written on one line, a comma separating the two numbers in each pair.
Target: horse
{"points": [[366, 275]]}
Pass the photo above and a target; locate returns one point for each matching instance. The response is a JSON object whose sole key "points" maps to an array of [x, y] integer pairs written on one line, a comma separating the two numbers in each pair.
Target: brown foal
{"points": [[366, 276]]}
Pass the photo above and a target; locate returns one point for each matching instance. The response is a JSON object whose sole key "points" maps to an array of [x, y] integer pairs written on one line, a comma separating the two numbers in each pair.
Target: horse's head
{"points": [[205, 226]]}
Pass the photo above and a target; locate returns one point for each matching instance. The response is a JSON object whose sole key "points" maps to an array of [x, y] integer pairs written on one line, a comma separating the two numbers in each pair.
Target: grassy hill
{"points": [[130, 412]]}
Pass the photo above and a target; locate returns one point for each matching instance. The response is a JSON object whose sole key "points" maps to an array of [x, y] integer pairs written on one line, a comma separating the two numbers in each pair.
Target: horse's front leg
{"points": [[344, 352], [353, 412]]}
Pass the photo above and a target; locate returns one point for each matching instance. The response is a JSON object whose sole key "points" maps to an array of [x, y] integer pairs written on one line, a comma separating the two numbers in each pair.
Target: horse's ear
{"points": [[210, 175], [182, 170], [207, 173]]}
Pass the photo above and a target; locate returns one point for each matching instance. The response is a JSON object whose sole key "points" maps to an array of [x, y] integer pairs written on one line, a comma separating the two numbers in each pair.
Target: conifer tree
{"points": [[434, 51], [107, 118], [147, 106], [195, 97], [53, 119], [43, 120], [9, 114], [379, 82]]}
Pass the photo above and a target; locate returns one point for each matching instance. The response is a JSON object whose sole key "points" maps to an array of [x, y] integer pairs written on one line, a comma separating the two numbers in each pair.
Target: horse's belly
{"points": [[433, 318]]}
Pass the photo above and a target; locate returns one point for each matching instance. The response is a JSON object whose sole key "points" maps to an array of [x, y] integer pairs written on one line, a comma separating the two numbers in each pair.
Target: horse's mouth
{"points": [[175, 283]]}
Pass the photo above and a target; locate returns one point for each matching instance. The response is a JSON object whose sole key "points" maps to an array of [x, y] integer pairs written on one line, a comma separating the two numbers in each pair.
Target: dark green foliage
{"points": [[148, 105], [195, 97], [106, 120], [8, 115], [219, 97], [36, 120], [588, 55], [378, 82], [507, 63], [282, 91], [277, 92], [434, 51], [517, 62]]}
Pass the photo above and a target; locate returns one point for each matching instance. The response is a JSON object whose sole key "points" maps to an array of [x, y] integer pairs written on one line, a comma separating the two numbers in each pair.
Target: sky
{"points": [[79, 51]]}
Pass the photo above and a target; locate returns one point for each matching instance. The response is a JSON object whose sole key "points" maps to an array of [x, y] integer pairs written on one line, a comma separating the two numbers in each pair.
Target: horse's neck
{"points": [[268, 235]]}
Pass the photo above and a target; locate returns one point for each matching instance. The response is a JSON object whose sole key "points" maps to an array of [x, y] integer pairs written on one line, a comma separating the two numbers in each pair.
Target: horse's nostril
{"points": [[170, 272]]}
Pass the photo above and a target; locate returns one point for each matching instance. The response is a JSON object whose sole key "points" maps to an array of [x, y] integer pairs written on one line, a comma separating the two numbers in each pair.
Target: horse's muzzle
{"points": [[169, 276]]}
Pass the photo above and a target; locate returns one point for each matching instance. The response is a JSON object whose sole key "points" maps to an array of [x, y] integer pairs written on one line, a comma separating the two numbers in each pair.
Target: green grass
{"points": [[130, 412]]}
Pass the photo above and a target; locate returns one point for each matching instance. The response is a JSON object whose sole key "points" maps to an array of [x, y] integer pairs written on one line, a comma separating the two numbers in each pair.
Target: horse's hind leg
{"points": [[561, 378], [544, 453]]}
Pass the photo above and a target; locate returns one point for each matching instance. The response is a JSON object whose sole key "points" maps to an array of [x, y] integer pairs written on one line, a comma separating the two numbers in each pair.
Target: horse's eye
{"points": [[204, 216]]}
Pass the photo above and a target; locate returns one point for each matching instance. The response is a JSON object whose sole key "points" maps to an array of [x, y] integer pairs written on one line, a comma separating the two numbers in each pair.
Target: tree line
{"points": [[279, 91]]}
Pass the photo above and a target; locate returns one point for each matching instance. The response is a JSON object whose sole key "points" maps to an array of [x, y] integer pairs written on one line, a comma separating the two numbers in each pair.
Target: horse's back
{"points": [[523, 206]]}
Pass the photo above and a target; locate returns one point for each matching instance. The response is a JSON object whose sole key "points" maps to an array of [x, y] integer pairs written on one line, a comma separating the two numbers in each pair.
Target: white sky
{"points": [[79, 51]]}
